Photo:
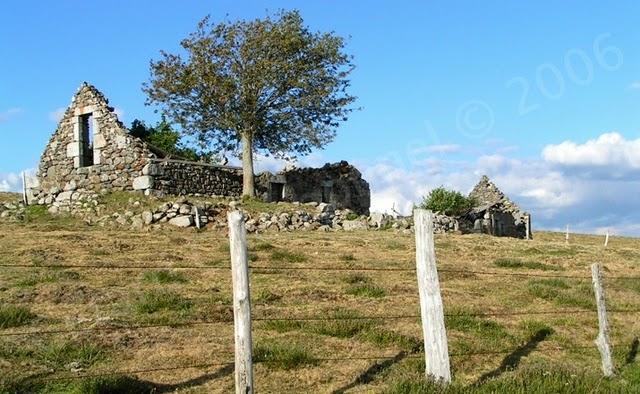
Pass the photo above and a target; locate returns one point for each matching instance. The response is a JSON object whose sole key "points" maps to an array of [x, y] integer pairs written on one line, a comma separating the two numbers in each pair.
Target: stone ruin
{"points": [[495, 214], [92, 152], [339, 184]]}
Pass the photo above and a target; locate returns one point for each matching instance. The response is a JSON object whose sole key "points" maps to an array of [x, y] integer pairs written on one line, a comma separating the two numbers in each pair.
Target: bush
{"points": [[449, 202]]}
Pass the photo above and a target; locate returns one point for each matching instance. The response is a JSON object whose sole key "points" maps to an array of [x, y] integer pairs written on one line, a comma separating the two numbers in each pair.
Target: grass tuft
{"points": [[157, 300], [348, 257], [290, 257], [285, 356], [385, 338], [356, 278], [366, 290], [164, 276], [532, 265], [14, 316]]}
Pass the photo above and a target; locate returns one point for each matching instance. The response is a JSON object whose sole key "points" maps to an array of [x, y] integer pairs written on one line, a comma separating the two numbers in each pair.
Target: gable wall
{"points": [[118, 157]]}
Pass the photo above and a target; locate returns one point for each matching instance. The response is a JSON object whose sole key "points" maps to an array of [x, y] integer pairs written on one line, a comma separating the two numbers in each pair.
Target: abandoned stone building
{"points": [[92, 150], [495, 213]]}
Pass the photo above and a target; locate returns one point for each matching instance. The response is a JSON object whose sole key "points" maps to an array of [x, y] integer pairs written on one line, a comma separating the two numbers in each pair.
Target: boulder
{"points": [[378, 219], [147, 217], [182, 221], [143, 182], [353, 225]]}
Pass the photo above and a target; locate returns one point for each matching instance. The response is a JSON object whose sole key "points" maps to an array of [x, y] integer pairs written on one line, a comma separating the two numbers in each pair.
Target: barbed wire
{"points": [[100, 374], [308, 318], [306, 268], [92, 266], [402, 355]]}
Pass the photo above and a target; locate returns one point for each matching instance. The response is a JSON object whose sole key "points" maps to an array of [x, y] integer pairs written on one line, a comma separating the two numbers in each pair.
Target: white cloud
{"points": [[443, 148], [12, 181], [634, 85], [57, 114], [9, 113], [610, 151], [547, 187]]}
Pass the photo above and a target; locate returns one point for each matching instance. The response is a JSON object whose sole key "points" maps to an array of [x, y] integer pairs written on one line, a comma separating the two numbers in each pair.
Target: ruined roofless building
{"points": [[496, 214], [91, 150]]}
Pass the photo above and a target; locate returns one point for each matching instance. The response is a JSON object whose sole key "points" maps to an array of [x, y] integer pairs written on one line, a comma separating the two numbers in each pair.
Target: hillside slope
{"points": [[151, 304]]}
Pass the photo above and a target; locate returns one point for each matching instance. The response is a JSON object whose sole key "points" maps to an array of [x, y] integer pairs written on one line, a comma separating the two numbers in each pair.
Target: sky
{"points": [[542, 97]]}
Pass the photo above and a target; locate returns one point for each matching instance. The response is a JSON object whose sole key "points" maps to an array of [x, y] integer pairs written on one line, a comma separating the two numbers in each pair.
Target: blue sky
{"points": [[543, 96]]}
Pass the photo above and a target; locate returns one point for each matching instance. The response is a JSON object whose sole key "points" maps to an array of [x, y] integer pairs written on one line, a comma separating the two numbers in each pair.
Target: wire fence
{"points": [[274, 269]]}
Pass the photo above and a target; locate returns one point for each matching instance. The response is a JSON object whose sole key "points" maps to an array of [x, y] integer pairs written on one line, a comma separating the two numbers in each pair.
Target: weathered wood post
{"points": [[606, 238], [603, 342], [436, 349], [527, 226], [197, 216], [241, 303], [24, 189], [566, 236]]}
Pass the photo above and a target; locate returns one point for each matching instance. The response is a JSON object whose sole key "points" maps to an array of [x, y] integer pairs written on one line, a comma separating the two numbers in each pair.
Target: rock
{"points": [[64, 196], [52, 209], [325, 208], [378, 219], [311, 204], [143, 182], [324, 228], [182, 221], [70, 186], [353, 225], [147, 217], [137, 223], [184, 209]]}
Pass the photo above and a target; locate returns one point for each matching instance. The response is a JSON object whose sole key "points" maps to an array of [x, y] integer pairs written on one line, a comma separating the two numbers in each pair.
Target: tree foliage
{"points": [[165, 138], [267, 85], [449, 202]]}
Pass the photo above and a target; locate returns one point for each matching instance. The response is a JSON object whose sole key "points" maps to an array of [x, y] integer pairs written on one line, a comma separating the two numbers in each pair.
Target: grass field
{"points": [[179, 276]]}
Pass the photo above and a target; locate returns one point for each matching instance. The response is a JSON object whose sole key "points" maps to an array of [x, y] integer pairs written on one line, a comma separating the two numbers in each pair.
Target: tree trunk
{"points": [[248, 184]]}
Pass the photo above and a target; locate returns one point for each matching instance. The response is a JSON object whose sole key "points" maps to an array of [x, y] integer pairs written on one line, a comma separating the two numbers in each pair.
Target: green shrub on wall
{"points": [[449, 202]]}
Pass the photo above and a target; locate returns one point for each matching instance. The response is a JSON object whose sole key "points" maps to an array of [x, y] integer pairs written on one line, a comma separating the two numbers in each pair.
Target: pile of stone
{"points": [[11, 209], [181, 212]]}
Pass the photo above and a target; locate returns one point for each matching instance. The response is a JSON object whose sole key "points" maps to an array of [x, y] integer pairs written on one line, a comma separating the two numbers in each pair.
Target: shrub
{"points": [[449, 202]]}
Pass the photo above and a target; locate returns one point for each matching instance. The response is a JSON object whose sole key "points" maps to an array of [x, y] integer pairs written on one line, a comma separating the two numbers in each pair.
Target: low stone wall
{"points": [[177, 177]]}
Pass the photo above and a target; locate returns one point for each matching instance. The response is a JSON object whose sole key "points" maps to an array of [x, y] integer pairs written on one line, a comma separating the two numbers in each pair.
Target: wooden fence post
{"points": [[566, 237], [527, 226], [241, 303], [603, 342], [197, 216], [436, 349], [606, 239], [24, 189]]}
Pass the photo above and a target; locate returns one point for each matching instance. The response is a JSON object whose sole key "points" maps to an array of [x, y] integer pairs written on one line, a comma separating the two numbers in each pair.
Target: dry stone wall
{"points": [[188, 178], [116, 158], [339, 184]]}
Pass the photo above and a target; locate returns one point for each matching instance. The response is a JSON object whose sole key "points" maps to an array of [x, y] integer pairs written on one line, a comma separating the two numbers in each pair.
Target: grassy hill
{"points": [[105, 300]]}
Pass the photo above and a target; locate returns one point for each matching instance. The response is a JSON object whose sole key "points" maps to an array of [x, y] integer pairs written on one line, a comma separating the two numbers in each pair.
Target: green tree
{"points": [[165, 138], [449, 202], [267, 85]]}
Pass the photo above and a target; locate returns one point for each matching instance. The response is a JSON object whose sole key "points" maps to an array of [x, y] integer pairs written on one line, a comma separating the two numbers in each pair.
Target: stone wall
{"points": [[92, 151], [339, 184], [111, 162], [179, 177]]}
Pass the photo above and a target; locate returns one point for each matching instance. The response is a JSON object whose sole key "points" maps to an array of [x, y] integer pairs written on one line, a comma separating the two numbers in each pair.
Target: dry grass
{"points": [[165, 293]]}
